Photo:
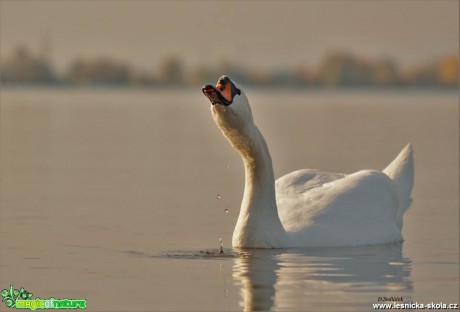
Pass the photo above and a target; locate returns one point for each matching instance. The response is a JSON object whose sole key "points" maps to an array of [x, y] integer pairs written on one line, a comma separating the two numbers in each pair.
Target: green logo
{"points": [[22, 299]]}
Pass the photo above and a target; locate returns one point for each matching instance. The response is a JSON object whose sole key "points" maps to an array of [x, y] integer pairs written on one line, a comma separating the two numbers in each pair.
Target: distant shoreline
{"points": [[429, 88]]}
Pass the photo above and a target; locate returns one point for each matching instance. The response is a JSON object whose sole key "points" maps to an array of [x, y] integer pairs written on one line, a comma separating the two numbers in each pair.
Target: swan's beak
{"points": [[223, 93], [211, 93]]}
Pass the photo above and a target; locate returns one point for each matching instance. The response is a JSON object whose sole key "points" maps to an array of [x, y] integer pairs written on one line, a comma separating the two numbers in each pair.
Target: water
{"points": [[110, 196]]}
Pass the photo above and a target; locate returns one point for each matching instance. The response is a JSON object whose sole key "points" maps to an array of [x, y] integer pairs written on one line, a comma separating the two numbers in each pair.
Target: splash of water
{"points": [[221, 251]]}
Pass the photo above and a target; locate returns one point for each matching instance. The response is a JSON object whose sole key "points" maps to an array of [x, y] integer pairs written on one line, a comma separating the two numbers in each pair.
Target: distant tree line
{"points": [[338, 69]]}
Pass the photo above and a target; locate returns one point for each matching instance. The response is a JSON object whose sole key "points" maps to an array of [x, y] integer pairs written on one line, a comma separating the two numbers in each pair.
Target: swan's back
{"points": [[330, 209]]}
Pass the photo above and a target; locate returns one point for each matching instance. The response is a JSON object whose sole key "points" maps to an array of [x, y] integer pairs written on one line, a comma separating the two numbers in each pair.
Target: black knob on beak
{"points": [[224, 80]]}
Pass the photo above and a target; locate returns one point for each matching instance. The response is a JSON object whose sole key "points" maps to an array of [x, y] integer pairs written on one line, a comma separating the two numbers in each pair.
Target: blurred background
{"points": [[309, 44], [114, 176]]}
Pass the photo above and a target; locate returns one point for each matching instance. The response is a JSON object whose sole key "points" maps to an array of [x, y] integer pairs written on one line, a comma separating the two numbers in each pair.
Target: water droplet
{"points": [[226, 210], [227, 166], [220, 240], [218, 196]]}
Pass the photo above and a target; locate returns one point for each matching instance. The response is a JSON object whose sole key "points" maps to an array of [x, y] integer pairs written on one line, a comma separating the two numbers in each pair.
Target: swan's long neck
{"points": [[258, 223]]}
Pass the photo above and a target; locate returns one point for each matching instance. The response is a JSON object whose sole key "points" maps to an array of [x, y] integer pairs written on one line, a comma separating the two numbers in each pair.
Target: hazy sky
{"points": [[262, 34]]}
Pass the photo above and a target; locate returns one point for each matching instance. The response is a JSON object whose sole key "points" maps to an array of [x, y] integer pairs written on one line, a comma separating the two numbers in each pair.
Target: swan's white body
{"points": [[311, 208]]}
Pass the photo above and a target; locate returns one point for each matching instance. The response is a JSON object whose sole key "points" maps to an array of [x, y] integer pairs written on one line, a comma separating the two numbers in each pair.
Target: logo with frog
{"points": [[22, 299]]}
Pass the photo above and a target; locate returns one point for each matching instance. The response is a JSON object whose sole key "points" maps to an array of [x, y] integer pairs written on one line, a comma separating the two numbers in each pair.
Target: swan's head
{"points": [[223, 93], [230, 109]]}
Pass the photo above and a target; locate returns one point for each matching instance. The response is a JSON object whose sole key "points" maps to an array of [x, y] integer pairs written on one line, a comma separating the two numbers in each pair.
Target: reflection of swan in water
{"points": [[257, 275], [322, 278]]}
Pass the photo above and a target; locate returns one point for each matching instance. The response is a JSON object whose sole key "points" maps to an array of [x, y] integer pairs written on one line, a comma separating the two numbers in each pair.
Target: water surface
{"points": [[114, 195]]}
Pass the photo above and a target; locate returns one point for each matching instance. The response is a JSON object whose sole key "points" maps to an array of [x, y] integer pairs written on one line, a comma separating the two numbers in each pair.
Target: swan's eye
{"points": [[238, 91]]}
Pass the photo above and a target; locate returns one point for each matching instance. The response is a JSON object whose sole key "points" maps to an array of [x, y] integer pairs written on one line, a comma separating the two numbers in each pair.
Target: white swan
{"points": [[308, 208]]}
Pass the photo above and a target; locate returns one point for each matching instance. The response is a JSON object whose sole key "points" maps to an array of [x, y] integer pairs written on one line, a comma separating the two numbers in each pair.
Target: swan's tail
{"points": [[401, 171]]}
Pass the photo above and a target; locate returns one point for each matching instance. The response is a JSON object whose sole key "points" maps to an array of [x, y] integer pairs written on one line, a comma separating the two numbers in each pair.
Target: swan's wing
{"points": [[296, 192], [340, 210], [301, 181]]}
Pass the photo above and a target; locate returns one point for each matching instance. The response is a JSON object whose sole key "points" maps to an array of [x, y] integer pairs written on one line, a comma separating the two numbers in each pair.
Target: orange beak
{"points": [[225, 90]]}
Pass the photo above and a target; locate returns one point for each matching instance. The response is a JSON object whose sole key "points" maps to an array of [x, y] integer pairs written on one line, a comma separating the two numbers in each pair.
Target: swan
{"points": [[308, 208]]}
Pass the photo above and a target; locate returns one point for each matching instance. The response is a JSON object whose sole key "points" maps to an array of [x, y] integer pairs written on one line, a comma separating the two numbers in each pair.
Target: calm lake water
{"points": [[112, 196]]}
